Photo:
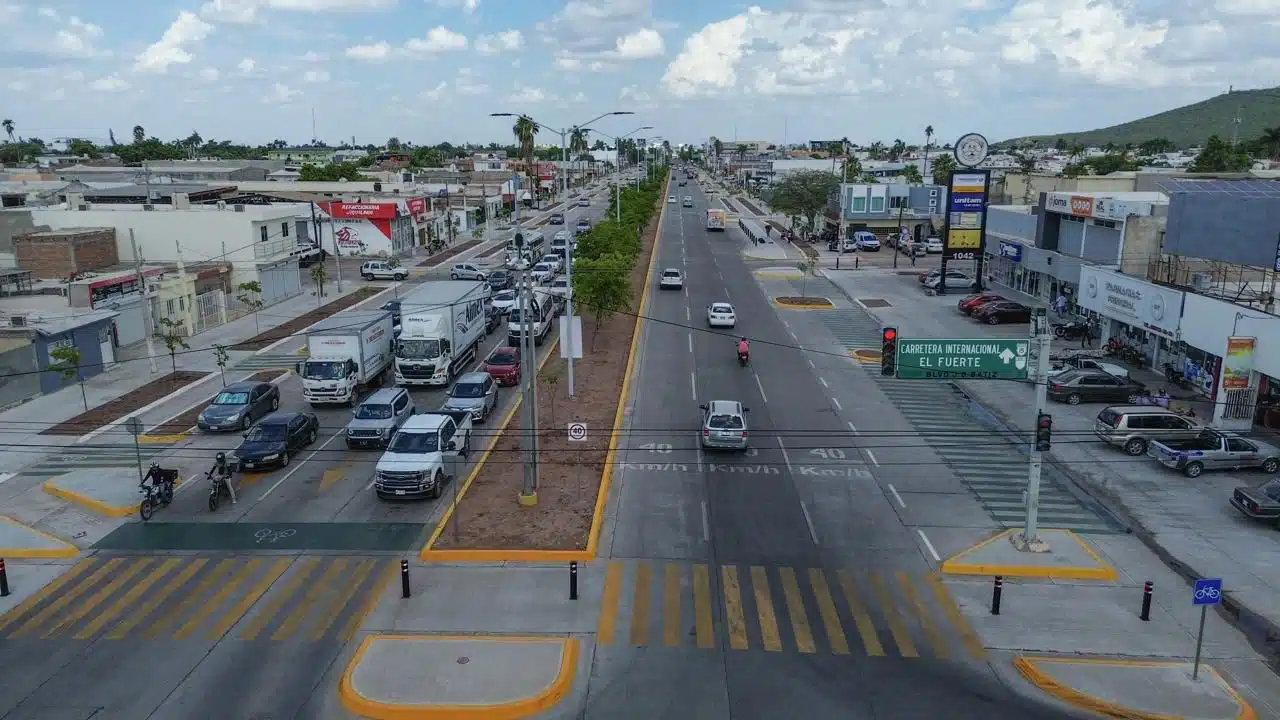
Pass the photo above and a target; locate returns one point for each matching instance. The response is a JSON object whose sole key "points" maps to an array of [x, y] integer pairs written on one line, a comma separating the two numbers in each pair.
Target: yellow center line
{"points": [[198, 594], [609, 603], [896, 626], [769, 636], [63, 600], [334, 609], [300, 613], [671, 606], [155, 600], [41, 595], [861, 618], [733, 608], [827, 609], [99, 597], [128, 600], [967, 635], [795, 610], [265, 615], [922, 612], [375, 594], [640, 607], [702, 607], [242, 606], [213, 603]]}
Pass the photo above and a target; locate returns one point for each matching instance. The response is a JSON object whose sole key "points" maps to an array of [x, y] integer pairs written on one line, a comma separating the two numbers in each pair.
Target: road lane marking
{"points": [[967, 635], [242, 606], [640, 607], [852, 428], [156, 600], [693, 385], [295, 469], [896, 496], [333, 475], [64, 600], [690, 342], [836, 402], [785, 456], [861, 618], [897, 628], [331, 612], [811, 365], [278, 602], [827, 611], [706, 524], [609, 602], [128, 600], [813, 533], [929, 545], [871, 456], [760, 386], [206, 609], [795, 610], [47, 591], [688, 317], [824, 382], [769, 636], [118, 581], [734, 619], [303, 610], [203, 590], [671, 605], [922, 614], [702, 623]]}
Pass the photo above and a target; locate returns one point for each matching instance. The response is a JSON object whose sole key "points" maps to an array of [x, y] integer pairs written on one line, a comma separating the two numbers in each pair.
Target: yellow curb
{"points": [[63, 548], [824, 305], [865, 356], [778, 275], [1027, 666], [549, 697], [165, 438], [115, 511], [302, 351], [1102, 572]]}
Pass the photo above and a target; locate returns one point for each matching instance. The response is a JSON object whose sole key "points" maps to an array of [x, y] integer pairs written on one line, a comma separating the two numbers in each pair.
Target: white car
{"points": [[671, 199], [560, 287], [382, 270], [504, 301], [721, 314], [555, 261], [543, 272], [955, 279], [561, 237], [867, 241], [518, 261], [671, 280], [933, 245]]}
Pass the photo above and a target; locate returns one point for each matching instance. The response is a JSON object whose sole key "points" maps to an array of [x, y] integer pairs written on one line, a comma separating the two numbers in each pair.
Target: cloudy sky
{"points": [[432, 70]]}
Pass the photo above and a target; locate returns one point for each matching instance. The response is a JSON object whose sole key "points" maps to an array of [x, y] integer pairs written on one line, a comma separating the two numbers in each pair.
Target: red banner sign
{"points": [[417, 206], [363, 211]]}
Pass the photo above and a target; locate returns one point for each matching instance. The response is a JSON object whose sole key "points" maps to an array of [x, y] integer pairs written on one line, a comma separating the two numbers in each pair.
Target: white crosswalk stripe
{"points": [[91, 456], [267, 361]]}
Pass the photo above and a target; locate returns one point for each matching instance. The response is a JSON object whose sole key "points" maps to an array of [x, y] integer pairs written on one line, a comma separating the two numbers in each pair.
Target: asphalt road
{"points": [[764, 540]]}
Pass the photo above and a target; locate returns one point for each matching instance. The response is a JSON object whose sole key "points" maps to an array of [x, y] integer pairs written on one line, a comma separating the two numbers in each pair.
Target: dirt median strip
{"points": [[112, 410], [183, 422], [444, 255], [751, 206], [296, 325], [493, 250]]}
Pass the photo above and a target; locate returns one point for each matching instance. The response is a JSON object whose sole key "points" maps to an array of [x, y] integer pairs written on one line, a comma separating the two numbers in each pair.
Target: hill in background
{"points": [[1187, 126]]}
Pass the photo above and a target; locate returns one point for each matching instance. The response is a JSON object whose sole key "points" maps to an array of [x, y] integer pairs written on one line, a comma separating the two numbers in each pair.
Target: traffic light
{"points": [[889, 352], [519, 240], [1044, 432]]}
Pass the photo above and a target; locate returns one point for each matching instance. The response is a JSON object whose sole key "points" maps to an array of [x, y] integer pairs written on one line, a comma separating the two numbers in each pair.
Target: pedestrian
{"points": [[912, 252], [1089, 334], [1060, 305]]}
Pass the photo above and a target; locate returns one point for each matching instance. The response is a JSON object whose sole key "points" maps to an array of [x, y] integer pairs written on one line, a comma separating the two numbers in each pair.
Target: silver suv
{"points": [[468, 271], [724, 425], [1132, 427], [382, 270], [475, 392], [378, 417]]}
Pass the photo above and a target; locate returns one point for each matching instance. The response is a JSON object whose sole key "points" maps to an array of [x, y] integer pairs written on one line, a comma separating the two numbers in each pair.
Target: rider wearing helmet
{"points": [[221, 473], [743, 347]]}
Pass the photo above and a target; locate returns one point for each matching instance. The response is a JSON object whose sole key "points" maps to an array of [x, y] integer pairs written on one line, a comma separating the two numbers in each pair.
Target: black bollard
{"points": [[4, 580], [1147, 588], [404, 578], [995, 595], [573, 580]]}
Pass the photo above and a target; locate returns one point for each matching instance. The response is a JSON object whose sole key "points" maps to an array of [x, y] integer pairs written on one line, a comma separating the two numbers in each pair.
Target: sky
{"points": [[428, 71]]}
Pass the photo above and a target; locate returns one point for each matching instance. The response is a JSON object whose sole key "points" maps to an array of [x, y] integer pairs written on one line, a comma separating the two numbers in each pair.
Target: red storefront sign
{"points": [[362, 211], [416, 206]]}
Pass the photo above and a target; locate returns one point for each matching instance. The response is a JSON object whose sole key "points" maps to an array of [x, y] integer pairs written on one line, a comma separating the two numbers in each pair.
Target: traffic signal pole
{"points": [[1041, 336]]}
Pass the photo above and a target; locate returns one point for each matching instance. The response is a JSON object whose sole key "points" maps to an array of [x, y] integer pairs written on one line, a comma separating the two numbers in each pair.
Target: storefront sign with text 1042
{"points": [[975, 358]]}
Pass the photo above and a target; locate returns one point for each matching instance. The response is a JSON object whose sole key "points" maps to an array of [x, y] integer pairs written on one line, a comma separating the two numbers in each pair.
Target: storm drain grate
{"points": [[874, 302]]}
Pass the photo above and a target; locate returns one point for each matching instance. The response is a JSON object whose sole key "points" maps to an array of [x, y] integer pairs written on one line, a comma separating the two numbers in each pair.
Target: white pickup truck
{"points": [[424, 455]]}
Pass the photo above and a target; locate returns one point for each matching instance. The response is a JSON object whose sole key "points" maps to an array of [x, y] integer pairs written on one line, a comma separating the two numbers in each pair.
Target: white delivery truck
{"points": [[716, 219], [441, 325], [346, 352], [542, 313]]}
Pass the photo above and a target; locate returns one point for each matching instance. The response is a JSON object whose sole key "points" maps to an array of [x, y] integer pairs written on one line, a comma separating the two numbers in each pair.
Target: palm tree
{"points": [[577, 142], [526, 130], [1270, 139], [719, 146], [139, 134], [898, 149], [928, 139], [8, 128], [876, 150], [941, 168]]}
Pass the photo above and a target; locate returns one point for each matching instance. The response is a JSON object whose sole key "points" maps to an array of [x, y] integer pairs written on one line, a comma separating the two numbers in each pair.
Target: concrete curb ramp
{"points": [[1070, 558], [402, 677], [1173, 695], [819, 303], [21, 541]]}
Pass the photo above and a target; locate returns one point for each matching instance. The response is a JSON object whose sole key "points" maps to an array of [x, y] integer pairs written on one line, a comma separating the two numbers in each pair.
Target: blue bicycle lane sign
{"points": [[1207, 591]]}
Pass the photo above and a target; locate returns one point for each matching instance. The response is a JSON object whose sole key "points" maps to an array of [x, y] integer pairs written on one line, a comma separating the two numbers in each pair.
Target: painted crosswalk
{"points": [[783, 609], [95, 456], [204, 598], [267, 361]]}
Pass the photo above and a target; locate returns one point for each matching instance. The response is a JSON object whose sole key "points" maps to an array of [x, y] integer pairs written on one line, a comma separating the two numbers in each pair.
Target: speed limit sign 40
{"points": [[577, 432]]}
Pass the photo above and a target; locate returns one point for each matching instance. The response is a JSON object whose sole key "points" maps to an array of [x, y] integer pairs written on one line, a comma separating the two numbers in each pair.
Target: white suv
{"points": [[382, 270]]}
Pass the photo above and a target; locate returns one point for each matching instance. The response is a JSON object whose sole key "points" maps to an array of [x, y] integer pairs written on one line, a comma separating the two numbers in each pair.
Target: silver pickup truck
{"points": [[1215, 450]]}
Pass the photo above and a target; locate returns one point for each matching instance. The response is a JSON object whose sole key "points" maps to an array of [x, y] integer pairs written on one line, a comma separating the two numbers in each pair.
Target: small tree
{"points": [[172, 335], [603, 287], [319, 275], [251, 296], [477, 233], [804, 268], [68, 365], [221, 357]]}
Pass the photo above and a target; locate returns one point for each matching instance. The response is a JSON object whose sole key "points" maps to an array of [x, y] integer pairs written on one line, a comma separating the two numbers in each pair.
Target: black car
{"points": [[1002, 311], [272, 442], [1077, 386], [238, 405], [500, 280], [557, 219], [1260, 502], [493, 317]]}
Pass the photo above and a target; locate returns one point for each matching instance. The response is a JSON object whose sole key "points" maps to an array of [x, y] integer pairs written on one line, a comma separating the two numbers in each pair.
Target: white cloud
{"points": [[209, 74], [110, 83], [316, 76], [710, 57], [171, 49], [281, 94], [508, 41], [241, 12], [439, 39], [528, 96], [247, 65], [314, 57], [467, 84], [370, 53], [467, 6], [645, 43]]}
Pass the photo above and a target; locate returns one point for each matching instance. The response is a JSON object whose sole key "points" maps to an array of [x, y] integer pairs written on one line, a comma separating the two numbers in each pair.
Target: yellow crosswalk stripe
{"points": [[41, 595], [609, 603], [224, 591], [356, 619], [861, 618], [127, 600], [827, 610], [896, 627], [967, 635], [331, 612], [769, 637], [66, 599], [300, 613], [640, 607], [733, 608], [247, 601], [200, 593], [795, 610], [155, 600], [702, 622], [87, 606], [671, 605], [922, 614], [264, 616]]}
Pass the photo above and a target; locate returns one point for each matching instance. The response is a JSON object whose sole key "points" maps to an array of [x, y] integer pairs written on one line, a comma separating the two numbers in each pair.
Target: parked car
{"points": [[955, 279], [273, 442], [1134, 427], [972, 302], [556, 219], [1260, 502], [1094, 386], [468, 271], [672, 279], [475, 392], [503, 364], [867, 241], [238, 405], [1002, 311], [376, 419], [933, 245], [501, 280], [382, 270], [1216, 450], [928, 275]]}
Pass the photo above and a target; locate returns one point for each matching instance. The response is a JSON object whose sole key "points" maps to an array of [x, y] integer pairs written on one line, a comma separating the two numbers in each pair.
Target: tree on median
{"points": [[806, 193], [67, 364], [603, 287]]}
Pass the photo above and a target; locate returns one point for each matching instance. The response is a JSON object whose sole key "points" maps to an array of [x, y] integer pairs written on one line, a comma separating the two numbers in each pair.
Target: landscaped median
{"points": [[113, 410], [487, 522], [307, 319]]}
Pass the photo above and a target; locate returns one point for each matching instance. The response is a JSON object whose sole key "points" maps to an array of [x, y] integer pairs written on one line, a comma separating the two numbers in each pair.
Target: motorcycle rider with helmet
{"points": [[744, 350]]}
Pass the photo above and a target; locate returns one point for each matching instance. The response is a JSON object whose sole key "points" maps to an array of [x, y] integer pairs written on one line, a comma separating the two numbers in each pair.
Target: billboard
{"points": [[963, 236]]}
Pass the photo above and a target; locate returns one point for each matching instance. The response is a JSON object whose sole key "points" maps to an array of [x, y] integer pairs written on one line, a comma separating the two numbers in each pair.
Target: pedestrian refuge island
{"points": [[753, 230]]}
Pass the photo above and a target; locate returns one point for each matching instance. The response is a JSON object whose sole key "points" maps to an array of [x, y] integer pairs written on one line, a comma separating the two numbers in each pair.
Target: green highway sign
{"points": [[964, 359]]}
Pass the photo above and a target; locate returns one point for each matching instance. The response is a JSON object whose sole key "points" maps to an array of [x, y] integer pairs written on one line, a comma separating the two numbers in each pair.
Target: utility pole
{"points": [[844, 178], [909, 249], [146, 303], [1040, 338], [528, 379], [568, 310]]}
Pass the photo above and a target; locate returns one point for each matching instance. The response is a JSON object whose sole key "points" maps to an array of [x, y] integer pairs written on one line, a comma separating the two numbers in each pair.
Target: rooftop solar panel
{"points": [[1242, 188]]}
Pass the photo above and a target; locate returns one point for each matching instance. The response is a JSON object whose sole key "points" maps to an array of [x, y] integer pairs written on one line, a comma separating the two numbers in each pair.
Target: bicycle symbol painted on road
{"points": [[1208, 593], [267, 535]]}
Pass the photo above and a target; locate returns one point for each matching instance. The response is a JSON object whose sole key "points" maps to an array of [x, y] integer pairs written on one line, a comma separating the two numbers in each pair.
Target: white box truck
{"points": [[716, 219], [544, 308], [346, 353], [441, 325]]}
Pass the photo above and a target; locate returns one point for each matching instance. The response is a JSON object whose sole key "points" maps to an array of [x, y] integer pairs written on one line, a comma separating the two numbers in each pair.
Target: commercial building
{"points": [[221, 172], [885, 209], [28, 339], [370, 229]]}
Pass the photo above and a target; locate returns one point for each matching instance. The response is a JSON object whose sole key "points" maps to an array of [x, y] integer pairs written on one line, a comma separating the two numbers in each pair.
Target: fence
{"points": [[753, 231]]}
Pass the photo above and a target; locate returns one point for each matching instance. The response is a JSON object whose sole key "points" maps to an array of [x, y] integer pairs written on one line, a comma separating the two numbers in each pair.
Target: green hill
{"points": [[1187, 126]]}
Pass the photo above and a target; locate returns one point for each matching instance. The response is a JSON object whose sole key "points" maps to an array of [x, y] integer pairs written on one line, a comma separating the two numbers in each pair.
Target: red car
{"points": [[973, 302], [504, 365]]}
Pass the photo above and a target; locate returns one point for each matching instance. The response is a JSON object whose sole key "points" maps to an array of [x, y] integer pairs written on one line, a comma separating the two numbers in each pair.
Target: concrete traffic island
{"points": [[1136, 689], [1067, 558], [20, 541], [765, 251], [495, 677], [112, 492]]}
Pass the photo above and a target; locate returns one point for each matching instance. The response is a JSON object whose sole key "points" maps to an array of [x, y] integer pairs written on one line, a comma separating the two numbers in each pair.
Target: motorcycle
{"points": [[1176, 377], [1073, 330], [157, 490], [219, 477], [742, 359]]}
